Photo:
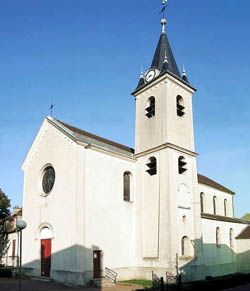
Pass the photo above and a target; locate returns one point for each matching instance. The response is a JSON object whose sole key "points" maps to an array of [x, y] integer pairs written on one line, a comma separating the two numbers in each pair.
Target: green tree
{"points": [[4, 213]]}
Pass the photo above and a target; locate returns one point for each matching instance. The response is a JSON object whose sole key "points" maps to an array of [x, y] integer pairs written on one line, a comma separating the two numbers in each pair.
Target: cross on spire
{"points": [[51, 109]]}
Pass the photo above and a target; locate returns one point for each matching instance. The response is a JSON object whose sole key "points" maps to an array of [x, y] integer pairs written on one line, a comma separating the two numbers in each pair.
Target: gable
{"points": [[43, 134]]}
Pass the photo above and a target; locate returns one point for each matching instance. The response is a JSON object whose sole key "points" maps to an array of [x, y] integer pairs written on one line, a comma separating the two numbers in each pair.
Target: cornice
{"points": [[164, 146]]}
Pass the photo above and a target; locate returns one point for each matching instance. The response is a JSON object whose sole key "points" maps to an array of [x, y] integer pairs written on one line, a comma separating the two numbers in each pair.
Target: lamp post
{"points": [[20, 225]]}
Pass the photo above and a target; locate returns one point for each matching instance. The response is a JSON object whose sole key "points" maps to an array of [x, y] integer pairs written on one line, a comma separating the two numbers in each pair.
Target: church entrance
{"points": [[45, 236], [45, 257], [97, 264]]}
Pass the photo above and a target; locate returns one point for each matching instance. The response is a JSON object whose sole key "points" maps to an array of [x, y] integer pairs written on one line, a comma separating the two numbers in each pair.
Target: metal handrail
{"points": [[110, 274]]}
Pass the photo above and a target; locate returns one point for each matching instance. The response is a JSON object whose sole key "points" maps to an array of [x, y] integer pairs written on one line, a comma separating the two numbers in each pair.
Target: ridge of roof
{"points": [[79, 131], [209, 182]]}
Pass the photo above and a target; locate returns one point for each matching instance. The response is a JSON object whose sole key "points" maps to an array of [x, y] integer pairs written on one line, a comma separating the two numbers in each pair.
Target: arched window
{"points": [[150, 110], [181, 165], [202, 198], [225, 207], [218, 237], [215, 205], [152, 166], [231, 238], [180, 106], [185, 246], [127, 186]]}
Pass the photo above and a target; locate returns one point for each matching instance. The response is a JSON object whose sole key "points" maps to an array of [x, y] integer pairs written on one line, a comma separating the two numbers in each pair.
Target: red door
{"points": [[45, 257], [97, 264]]}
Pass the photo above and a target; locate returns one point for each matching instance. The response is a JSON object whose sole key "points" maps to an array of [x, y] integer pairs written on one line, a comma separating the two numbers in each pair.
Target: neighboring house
{"points": [[91, 203], [11, 258]]}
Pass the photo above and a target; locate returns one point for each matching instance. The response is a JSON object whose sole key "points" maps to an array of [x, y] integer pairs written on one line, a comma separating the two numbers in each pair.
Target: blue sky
{"points": [[85, 56]]}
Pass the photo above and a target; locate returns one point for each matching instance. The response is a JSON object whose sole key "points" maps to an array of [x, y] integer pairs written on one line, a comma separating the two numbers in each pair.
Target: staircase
{"points": [[108, 281], [103, 282]]}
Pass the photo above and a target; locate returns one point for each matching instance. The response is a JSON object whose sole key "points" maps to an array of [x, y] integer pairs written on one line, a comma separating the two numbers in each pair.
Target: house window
{"points": [[180, 106], [231, 237], [218, 237], [185, 246], [181, 165], [202, 197], [215, 205], [126, 186], [150, 110], [225, 207], [152, 166]]}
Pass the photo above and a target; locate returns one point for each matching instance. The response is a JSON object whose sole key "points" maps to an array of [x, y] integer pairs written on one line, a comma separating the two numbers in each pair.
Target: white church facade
{"points": [[91, 203]]}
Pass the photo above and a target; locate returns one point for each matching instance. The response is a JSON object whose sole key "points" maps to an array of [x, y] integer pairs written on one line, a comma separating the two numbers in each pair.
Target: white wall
{"points": [[209, 193], [59, 208], [109, 220], [165, 126], [221, 259]]}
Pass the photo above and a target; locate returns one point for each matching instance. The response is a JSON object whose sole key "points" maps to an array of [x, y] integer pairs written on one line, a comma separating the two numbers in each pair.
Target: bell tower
{"points": [[166, 158], [163, 102]]}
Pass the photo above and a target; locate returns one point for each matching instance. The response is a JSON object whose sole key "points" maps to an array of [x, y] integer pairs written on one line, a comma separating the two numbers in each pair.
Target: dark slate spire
{"points": [[184, 75], [141, 80], [164, 50]]}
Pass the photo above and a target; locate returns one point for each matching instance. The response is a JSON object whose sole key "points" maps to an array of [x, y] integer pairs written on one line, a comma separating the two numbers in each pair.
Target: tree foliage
{"points": [[4, 213]]}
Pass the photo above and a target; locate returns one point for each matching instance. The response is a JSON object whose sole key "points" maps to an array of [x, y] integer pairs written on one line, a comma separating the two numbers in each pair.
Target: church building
{"points": [[93, 205]]}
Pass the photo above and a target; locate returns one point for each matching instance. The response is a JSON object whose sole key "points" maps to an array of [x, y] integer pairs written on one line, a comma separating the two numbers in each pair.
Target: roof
{"points": [[245, 234], [79, 134], [163, 50], [223, 218], [246, 217], [209, 182]]}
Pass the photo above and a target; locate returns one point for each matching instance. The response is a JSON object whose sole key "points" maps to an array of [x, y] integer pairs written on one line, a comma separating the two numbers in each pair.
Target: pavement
{"points": [[11, 284], [239, 288]]}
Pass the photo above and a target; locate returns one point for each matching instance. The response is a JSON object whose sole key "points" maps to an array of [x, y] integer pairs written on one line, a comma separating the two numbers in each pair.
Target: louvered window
{"points": [[150, 110], [182, 165], [180, 106], [152, 166]]}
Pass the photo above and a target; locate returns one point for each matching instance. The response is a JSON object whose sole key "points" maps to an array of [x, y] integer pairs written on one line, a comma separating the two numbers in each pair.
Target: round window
{"points": [[48, 179]]}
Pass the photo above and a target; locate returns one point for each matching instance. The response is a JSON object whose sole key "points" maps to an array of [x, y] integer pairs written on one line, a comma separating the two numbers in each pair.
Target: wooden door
{"points": [[45, 257], [97, 264]]}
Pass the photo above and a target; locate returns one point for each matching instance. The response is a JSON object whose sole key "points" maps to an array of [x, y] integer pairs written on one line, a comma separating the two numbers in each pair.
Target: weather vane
{"points": [[164, 6]]}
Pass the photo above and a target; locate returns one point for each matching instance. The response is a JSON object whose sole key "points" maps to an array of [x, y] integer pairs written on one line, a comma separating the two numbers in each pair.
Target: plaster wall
{"points": [[109, 220], [59, 209], [209, 193], [222, 259], [165, 126]]}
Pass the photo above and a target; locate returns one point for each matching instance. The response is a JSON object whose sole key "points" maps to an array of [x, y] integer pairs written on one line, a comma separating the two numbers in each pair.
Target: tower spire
{"points": [[142, 79], [184, 75], [163, 51]]}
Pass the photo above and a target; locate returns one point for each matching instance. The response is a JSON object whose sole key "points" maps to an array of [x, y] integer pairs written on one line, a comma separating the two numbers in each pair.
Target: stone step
{"points": [[41, 278], [103, 282]]}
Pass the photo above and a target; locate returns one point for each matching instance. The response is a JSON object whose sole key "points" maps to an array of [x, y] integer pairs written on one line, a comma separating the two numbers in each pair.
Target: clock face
{"points": [[48, 179], [150, 75]]}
